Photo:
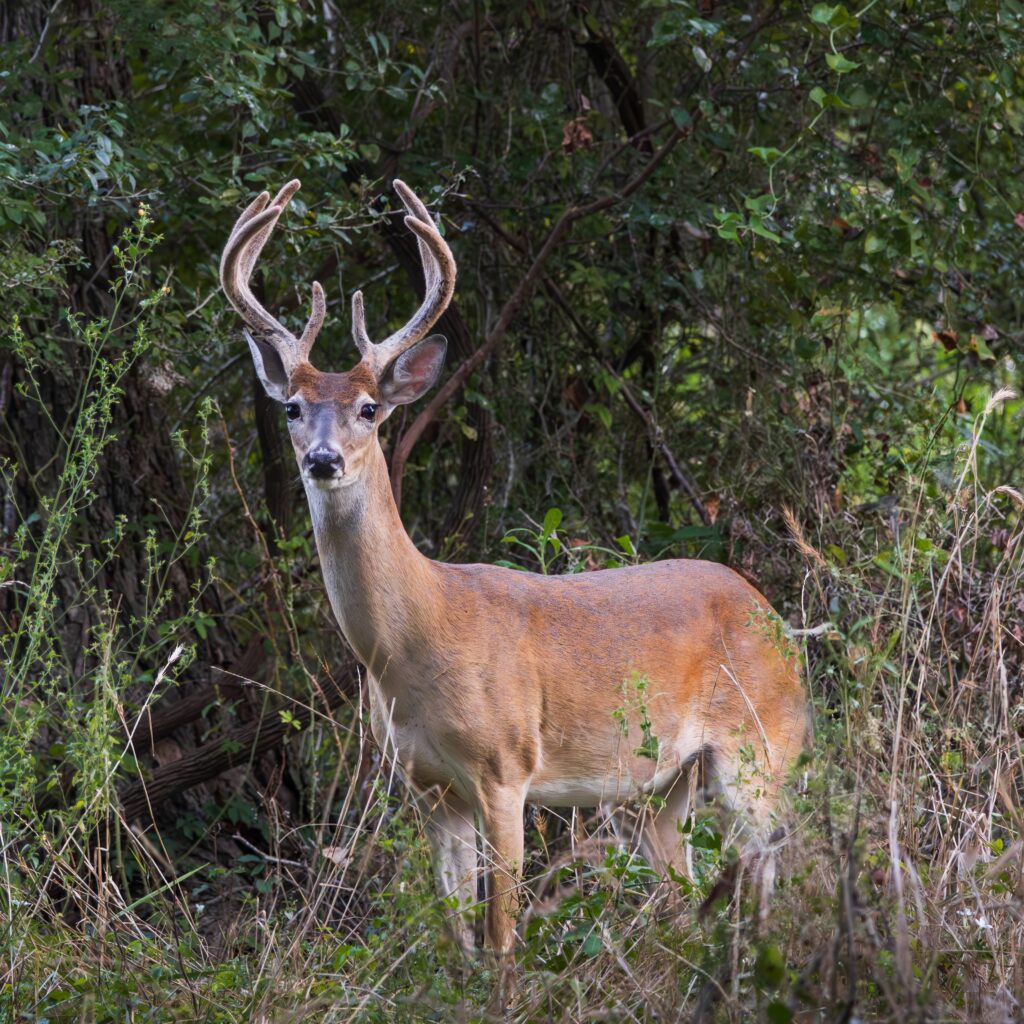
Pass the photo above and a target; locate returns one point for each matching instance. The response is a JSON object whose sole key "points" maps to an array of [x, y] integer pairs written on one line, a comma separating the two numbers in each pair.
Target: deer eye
{"points": [[292, 410], [368, 411]]}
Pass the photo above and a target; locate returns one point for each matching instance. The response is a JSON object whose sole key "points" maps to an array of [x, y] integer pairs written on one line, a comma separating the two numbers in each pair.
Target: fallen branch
{"points": [[154, 723], [237, 748]]}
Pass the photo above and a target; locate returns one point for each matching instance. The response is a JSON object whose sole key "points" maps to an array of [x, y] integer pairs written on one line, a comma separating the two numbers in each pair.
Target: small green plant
{"points": [[634, 709], [550, 551], [63, 724], [771, 625]]}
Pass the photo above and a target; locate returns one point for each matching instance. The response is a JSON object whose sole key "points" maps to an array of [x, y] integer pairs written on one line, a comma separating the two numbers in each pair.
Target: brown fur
{"points": [[343, 388]]}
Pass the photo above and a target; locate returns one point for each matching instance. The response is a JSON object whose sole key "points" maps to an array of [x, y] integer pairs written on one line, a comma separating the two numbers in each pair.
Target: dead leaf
{"points": [[576, 393], [337, 854], [576, 135]]}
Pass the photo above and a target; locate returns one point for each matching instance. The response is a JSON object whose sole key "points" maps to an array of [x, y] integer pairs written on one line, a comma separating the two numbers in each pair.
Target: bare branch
{"points": [[657, 439]]}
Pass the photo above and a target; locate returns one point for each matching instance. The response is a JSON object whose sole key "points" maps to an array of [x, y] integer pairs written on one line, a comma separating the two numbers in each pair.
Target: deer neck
{"points": [[384, 593]]}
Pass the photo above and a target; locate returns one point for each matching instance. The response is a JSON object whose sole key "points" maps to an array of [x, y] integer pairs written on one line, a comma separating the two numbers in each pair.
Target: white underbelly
{"points": [[574, 791]]}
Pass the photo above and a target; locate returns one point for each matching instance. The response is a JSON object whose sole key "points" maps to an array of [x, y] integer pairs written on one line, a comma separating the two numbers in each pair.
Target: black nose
{"points": [[323, 463]]}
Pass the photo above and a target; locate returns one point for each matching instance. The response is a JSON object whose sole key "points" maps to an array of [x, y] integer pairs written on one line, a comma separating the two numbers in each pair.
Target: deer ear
{"points": [[414, 372], [269, 368]]}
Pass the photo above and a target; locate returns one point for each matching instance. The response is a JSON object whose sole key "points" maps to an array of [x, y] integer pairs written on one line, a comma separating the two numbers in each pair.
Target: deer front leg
{"points": [[503, 853], [452, 837]]}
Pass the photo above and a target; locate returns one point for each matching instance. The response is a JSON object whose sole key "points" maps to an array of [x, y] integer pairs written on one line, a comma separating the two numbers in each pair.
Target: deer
{"points": [[490, 687]]}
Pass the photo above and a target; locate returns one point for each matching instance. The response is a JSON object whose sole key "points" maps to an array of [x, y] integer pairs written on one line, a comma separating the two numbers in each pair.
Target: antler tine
{"points": [[414, 205], [256, 206], [439, 278], [363, 342], [315, 321], [234, 278], [252, 251]]}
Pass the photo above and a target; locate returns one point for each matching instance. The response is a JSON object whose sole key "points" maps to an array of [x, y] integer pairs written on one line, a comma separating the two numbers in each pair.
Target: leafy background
{"points": [[736, 281]]}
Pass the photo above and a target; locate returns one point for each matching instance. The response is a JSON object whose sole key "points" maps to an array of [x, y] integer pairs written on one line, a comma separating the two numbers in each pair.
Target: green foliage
{"points": [[812, 299]]}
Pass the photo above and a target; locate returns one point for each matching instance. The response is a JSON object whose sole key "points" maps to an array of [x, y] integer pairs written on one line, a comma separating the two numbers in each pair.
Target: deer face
{"points": [[333, 418]]}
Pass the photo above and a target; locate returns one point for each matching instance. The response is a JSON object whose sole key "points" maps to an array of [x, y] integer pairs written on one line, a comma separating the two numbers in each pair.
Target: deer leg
{"points": [[452, 836], [662, 840], [503, 852], [752, 793]]}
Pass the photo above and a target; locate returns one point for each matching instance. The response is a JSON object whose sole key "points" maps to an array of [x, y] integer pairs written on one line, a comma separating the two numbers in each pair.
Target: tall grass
{"points": [[899, 895]]}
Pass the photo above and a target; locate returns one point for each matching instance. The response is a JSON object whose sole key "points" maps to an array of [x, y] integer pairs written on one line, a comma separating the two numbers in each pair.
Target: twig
{"points": [[6, 375], [820, 630], [656, 438], [45, 34], [267, 856]]}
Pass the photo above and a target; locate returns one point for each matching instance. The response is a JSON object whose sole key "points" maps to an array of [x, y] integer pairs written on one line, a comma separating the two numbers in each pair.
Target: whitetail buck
{"points": [[493, 687]]}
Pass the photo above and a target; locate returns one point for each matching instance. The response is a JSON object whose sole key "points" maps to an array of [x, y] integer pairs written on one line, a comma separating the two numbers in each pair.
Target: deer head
{"points": [[333, 418]]}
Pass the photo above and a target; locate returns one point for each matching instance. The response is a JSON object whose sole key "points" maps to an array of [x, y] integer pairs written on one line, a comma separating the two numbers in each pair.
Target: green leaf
{"points": [[828, 99], [551, 521], [873, 243], [602, 412], [778, 1013], [838, 63], [680, 117], [769, 154], [759, 204], [701, 58], [769, 966], [757, 226], [985, 354], [837, 553], [835, 17], [729, 224]]}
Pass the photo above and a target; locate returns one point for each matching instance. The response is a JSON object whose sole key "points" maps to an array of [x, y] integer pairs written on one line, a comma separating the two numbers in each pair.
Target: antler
{"points": [[439, 280], [249, 235]]}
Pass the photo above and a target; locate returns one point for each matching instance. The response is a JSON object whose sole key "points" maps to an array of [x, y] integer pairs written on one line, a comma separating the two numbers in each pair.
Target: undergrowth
{"points": [[900, 880]]}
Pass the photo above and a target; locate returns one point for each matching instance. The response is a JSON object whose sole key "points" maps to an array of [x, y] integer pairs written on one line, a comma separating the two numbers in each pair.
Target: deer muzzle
{"points": [[323, 463]]}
